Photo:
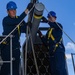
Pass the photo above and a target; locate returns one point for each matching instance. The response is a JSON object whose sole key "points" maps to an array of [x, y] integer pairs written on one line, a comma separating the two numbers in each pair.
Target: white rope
{"points": [[34, 54], [35, 61], [61, 28], [15, 27], [27, 44], [27, 37], [26, 51]]}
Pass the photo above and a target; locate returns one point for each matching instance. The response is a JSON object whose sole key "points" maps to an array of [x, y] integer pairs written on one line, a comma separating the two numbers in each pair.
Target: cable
{"points": [[26, 51], [34, 54], [61, 28], [15, 27], [27, 37]]}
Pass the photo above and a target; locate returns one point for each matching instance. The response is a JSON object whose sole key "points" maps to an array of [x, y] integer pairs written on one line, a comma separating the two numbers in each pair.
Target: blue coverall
{"points": [[57, 53], [8, 25]]}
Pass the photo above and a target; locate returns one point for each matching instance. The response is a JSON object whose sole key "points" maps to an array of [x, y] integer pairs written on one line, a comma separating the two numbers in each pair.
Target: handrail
{"points": [[72, 54], [11, 59]]}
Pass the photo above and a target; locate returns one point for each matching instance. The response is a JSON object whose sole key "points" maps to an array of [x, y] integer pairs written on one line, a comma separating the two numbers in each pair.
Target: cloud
{"points": [[69, 46], [68, 56], [68, 59]]}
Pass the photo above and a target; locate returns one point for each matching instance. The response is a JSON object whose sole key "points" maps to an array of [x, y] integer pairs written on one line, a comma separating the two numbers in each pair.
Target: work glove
{"points": [[29, 6], [40, 34], [44, 20]]}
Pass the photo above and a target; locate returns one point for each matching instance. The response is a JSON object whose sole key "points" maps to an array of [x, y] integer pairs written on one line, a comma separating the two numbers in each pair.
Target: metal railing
{"points": [[11, 59], [72, 55]]}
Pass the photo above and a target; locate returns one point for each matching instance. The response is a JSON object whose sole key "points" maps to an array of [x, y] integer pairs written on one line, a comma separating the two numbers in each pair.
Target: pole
{"points": [[11, 55], [73, 62], [26, 43], [38, 12]]}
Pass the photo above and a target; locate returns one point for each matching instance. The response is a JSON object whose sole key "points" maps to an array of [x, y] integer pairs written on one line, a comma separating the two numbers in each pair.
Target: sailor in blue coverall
{"points": [[9, 23], [53, 41]]}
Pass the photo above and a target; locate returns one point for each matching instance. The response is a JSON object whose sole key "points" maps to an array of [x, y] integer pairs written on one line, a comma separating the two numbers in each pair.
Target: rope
{"points": [[15, 27], [27, 37], [26, 51], [32, 51], [61, 28], [34, 54]]}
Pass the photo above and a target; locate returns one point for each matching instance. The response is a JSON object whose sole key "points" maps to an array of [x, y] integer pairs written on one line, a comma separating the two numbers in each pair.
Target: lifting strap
{"points": [[37, 16]]}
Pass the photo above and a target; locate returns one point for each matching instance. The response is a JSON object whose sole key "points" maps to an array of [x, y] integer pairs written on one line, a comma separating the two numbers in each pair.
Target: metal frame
{"points": [[11, 59], [72, 54]]}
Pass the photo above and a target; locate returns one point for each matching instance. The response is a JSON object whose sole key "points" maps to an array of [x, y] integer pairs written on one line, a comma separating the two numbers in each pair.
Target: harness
{"points": [[18, 28], [53, 39]]}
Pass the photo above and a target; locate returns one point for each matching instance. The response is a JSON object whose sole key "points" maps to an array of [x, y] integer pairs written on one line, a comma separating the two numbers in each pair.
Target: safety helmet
{"points": [[51, 13], [11, 5]]}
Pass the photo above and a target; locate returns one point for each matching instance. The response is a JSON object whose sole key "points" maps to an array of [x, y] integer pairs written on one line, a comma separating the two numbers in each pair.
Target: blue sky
{"points": [[65, 10]]}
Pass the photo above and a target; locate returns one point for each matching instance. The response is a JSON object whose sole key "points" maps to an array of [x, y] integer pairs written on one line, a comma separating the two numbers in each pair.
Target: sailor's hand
{"points": [[30, 5], [44, 20]]}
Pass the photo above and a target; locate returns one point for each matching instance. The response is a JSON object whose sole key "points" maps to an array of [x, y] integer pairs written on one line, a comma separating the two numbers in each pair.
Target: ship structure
{"points": [[35, 55]]}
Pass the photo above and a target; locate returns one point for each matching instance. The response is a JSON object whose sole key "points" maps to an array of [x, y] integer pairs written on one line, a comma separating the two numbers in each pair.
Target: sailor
{"points": [[9, 23], [54, 43]]}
